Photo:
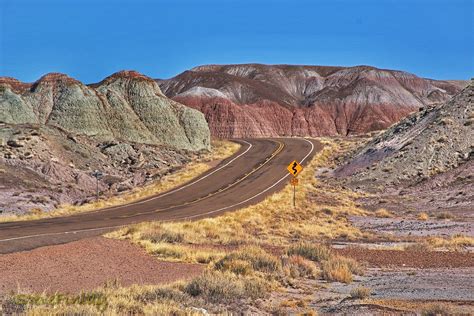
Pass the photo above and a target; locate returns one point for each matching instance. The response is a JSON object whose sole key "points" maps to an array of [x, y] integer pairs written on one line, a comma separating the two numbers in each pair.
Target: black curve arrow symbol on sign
{"points": [[294, 168]]}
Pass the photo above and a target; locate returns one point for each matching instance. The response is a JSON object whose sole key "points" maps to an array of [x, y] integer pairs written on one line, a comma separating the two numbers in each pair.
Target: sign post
{"points": [[294, 168], [97, 174]]}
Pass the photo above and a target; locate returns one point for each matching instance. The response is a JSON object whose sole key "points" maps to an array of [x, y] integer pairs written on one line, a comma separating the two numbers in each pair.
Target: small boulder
{"points": [[15, 143]]}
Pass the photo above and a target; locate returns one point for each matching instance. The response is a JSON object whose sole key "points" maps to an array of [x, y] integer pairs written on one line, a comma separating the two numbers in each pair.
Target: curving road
{"points": [[255, 171]]}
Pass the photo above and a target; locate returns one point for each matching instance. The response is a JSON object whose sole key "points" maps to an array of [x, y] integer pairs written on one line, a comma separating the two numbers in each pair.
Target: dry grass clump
{"points": [[299, 267], [314, 252], [221, 150], [95, 299], [334, 267], [453, 243], [383, 213], [360, 292], [444, 215], [254, 258], [456, 242], [423, 216], [418, 247], [437, 310], [219, 287], [340, 269]]}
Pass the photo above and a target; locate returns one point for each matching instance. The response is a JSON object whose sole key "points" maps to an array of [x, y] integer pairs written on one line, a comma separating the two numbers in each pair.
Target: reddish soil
{"points": [[414, 259], [85, 265]]}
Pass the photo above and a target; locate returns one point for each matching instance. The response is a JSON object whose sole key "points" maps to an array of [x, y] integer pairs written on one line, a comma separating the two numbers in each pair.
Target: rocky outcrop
{"points": [[126, 106], [255, 100]]}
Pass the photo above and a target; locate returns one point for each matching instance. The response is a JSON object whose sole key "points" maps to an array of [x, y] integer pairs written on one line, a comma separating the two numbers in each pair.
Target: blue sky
{"points": [[92, 39]]}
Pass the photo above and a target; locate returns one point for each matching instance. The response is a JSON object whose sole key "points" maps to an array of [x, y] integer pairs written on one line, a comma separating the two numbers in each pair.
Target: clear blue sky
{"points": [[91, 39]]}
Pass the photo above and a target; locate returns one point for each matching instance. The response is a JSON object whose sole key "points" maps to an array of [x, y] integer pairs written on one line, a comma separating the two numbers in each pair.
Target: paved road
{"points": [[257, 170]]}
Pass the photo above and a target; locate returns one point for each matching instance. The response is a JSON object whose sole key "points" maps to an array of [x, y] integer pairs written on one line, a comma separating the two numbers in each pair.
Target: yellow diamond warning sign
{"points": [[294, 168]]}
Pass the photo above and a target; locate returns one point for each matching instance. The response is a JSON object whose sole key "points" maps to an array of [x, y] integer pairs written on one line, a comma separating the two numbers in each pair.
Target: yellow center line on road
{"points": [[267, 160]]}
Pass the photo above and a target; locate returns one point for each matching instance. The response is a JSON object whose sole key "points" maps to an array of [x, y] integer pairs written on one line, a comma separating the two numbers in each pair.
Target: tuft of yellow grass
{"points": [[383, 213], [423, 216], [340, 269], [299, 267], [221, 150], [455, 242]]}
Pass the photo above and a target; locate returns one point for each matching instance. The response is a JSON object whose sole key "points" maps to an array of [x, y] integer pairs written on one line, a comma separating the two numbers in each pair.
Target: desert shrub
{"points": [[223, 286], [297, 266], [247, 258], [423, 216], [96, 299], [419, 247], [437, 310], [444, 215], [168, 251], [36, 211], [236, 266], [383, 213], [62, 310], [340, 269], [335, 270], [161, 234], [455, 242], [162, 294], [315, 252], [360, 292]]}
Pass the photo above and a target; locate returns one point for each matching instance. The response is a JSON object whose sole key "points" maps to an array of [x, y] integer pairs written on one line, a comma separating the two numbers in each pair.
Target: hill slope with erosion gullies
{"points": [[427, 155], [254, 100], [126, 106], [55, 132], [43, 167]]}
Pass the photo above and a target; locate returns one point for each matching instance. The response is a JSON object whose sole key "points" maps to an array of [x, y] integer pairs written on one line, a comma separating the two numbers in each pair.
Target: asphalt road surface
{"points": [[255, 171]]}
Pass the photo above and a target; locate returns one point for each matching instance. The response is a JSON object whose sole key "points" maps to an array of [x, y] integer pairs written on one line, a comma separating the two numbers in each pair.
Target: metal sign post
{"points": [[294, 182], [294, 168], [97, 174]]}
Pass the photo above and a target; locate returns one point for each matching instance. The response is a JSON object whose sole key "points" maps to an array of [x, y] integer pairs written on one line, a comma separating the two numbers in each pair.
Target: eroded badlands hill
{"points": [[426, 158], [55, 132], [126, 106], [260, 100]]}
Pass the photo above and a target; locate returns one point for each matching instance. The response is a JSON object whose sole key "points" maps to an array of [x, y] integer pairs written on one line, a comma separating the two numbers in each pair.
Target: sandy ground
{"points": [[414, 259], [413, 227], [427, 284], [85, 265]]}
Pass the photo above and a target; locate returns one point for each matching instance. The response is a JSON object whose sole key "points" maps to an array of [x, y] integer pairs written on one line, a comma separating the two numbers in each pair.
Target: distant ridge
{"points": [[255, 100]]}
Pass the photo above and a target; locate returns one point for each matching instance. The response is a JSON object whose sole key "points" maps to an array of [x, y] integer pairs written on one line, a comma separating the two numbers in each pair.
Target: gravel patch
{"points": [[87, 264]]}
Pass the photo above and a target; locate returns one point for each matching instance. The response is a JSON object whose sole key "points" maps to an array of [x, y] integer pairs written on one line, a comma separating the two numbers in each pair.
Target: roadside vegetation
{"points": [[249, 253], [220, 150], [244, 275], [453, 243], [321, 214]]}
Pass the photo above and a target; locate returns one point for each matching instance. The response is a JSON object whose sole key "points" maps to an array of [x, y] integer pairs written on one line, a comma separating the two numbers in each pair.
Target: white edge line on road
{"points": [[186, 185], [207, 175], [188, 217], [63, 233]]}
